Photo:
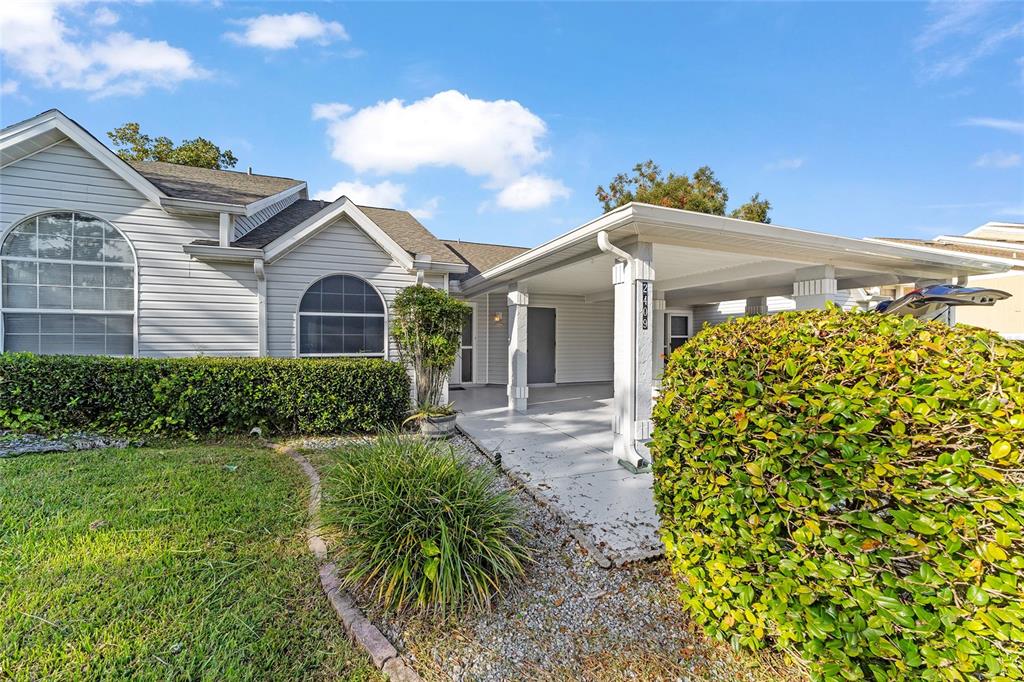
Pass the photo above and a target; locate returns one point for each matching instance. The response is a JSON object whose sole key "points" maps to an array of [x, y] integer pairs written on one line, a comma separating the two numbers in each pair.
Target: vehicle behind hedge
{"points": [[850, 488], [202, 395]]}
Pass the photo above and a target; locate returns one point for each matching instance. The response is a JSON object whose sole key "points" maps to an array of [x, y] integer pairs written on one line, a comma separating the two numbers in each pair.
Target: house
{"points": [[994, 242], [152, 259]]}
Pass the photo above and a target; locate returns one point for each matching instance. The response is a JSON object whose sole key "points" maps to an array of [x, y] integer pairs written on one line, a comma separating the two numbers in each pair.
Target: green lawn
{"points": [[184, 562]]}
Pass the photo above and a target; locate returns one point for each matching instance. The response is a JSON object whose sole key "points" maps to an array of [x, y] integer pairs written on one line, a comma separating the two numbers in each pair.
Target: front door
{"points": [[462, 373], [540, 345], [677, 331]]}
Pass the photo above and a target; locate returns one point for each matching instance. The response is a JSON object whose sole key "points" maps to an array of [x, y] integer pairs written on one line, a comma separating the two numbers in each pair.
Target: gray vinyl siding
{"points": [[583, 337], [246, 224], [339, 248], [185, 307]]}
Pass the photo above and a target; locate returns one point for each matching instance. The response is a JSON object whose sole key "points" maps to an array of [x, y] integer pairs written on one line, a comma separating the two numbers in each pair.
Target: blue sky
{"points": [[495, 122]]}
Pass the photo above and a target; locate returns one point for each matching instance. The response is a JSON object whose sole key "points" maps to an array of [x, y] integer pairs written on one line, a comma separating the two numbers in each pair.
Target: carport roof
{"points": [[695, 243]]}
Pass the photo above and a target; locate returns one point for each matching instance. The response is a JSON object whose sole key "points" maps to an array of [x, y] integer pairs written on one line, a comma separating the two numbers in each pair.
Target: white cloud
{"points": [[962, 33], [1014, 211], [427, 210], [786, 164], [330, 111], [284, 31], [1003, 124], [385, 194], [104, 16], [8, 87], [40, 44], [496, 139], [531, 192], [998, 159]]}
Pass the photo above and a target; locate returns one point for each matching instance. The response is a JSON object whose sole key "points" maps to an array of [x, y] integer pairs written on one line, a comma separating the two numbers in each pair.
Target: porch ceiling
{"points": [[705, 258]]}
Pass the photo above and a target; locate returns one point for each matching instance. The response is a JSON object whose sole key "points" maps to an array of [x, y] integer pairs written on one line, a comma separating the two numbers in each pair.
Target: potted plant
{"points": [[427, 327]]}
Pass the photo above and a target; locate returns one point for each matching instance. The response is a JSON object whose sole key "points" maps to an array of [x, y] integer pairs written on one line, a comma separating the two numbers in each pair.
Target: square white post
{"points": [[633, 341], [518, 392], [756, 305], [813, 287], [658, 338]]}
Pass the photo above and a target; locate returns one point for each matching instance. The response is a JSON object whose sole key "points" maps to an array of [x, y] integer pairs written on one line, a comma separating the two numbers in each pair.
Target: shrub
{"points": [[419, 527], [849, 487], [201, 395], [427, 327]]}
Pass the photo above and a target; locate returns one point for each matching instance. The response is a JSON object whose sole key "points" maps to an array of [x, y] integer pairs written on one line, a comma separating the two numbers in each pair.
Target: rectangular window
{"points": [[68, 334]]}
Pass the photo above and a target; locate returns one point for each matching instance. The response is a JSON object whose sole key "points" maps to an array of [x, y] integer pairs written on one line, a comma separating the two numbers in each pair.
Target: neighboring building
{"points": [[152, 259], [992, 242]]}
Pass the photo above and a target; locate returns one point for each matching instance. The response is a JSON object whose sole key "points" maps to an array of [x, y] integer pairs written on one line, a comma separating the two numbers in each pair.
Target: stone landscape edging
{"points": [[359, 628]]}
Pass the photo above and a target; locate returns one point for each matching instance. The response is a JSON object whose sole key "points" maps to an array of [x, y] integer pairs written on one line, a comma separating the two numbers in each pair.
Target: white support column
{"points": [[756, 305], [813, 287], [633, 283], [658, 338], [518, 393]]}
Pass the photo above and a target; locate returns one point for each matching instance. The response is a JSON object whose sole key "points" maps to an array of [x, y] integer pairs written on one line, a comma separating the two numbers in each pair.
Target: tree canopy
{"points": [[133, 145], [701, 192]]}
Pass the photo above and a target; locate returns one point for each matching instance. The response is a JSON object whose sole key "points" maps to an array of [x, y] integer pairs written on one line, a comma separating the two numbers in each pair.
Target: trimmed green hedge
{"points": [[204, 395], [849, 487]]}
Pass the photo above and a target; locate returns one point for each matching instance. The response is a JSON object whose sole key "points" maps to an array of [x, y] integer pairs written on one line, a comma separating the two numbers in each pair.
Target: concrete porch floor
{"points": [[562, 448]]}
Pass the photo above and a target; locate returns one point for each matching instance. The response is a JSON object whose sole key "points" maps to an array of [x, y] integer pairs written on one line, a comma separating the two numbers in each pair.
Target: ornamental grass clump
{"points": [[420, 528], [849, 488]]}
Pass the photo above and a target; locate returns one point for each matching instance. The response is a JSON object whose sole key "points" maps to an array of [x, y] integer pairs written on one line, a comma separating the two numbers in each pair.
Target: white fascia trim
{"points": [[222, 253], [975, 258], [54, 119], [433, 266], [313, 224], [257, 206], [775, 235], [608, 221], [192, 206]]}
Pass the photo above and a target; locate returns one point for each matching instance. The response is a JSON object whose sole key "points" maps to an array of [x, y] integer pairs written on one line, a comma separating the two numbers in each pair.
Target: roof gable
{"points": [[23, 139]]}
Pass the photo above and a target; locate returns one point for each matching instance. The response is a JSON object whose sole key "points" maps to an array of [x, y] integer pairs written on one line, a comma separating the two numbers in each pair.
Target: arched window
{"points": [[341, 315], [67, 285]]}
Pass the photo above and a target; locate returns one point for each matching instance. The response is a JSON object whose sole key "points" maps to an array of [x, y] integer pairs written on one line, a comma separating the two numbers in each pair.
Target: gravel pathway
{"points": [[568, 619]]}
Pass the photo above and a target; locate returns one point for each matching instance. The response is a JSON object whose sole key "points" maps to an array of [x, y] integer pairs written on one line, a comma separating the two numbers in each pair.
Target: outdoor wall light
{"points": [[497, 317]]}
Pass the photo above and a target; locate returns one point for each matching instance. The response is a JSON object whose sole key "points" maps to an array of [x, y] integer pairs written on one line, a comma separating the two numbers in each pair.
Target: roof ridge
{"points": [[218, 170], [468, 241]]}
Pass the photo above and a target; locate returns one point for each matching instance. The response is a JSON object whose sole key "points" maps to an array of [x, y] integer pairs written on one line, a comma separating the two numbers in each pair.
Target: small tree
{"points": [[427, 326], [133, 145]]}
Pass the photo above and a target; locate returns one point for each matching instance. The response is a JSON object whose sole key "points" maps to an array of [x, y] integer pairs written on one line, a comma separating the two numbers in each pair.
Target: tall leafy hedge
{"points": [[849, 487], [205, 395]]}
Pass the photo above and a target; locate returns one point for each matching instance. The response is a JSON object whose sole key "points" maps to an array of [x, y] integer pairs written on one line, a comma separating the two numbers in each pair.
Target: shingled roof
{"points": [[480, 257], [401, 226], [1015, 252], [207, 184]]}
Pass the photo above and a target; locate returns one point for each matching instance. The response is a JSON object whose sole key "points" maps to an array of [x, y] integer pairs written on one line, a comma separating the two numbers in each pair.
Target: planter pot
{"points": [[438, 427]]}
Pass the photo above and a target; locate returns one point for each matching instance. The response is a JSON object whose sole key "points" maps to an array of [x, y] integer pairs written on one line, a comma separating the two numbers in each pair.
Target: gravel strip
{"points": [[12, 444], [568, 619]]}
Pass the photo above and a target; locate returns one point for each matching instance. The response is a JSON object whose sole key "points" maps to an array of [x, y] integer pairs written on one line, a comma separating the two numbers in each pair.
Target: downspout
{"points": [[261, 302], [636, 459]]}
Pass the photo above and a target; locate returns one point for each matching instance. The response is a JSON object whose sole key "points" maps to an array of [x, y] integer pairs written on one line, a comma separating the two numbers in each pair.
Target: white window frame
{"points": [[299, 314], [134, 312], [456, 379]]}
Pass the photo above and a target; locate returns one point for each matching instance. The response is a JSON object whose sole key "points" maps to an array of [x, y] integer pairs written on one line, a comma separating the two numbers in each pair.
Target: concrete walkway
{"points": [[562, 448]]}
